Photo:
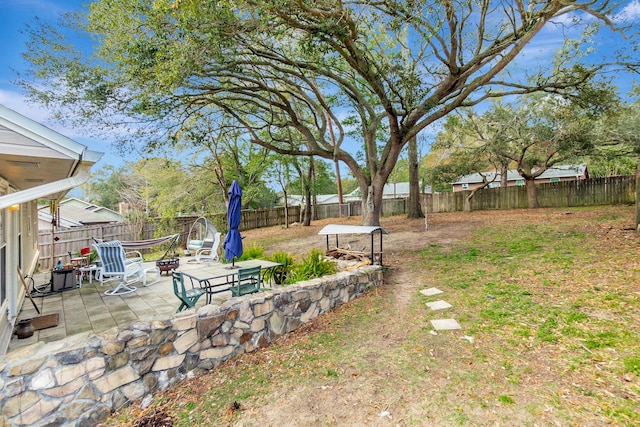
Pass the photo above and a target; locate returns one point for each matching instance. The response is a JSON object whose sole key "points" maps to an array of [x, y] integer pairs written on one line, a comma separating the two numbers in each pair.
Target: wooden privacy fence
{"points": [[74, 239], [590, 192], [599, 191]]}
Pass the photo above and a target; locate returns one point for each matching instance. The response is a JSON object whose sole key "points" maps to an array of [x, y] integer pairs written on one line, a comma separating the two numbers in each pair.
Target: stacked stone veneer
{"points": [[81, 382]]}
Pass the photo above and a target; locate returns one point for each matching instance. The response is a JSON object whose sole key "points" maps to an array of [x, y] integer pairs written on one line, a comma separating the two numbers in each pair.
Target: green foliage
{"points": [[252, 251], [104, 186], [531, 134], [503, 398], [348, 185], [323, 180], [172, 63], [315, 264], [632, 364], [280, 273]]}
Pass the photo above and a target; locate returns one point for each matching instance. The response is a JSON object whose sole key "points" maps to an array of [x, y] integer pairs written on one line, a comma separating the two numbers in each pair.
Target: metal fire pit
{"points": [[168, 265]]}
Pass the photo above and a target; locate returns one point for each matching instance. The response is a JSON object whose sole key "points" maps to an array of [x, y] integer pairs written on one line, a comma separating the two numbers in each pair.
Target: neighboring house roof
{"points": [[45, 219], [558, 171], [75, 213], [322, 199], [87, 213], [392, 190], [39, 162]]}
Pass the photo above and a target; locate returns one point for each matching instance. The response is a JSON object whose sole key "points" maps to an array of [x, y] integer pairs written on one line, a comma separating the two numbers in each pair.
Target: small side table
{"points": [[88, 271], [145, 273]]}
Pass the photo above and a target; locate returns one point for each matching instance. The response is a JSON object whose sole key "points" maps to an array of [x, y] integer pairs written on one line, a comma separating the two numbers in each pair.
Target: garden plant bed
{"points": [[548, 301]]}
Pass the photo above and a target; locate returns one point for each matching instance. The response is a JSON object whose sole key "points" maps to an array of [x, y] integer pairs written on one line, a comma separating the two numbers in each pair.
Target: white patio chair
{"points": [[209, 249], [115, 264]]}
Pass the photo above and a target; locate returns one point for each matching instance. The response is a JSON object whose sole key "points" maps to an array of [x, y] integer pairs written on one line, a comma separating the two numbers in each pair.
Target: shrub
{"points": [[252, 251], [315, 264], [280, 273]]}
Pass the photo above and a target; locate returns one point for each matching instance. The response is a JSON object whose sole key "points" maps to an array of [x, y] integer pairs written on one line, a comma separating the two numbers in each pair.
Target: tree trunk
{"points": [[415, 209], [466, 207], [307, 209], [306, 221], [532, 193], [286, 208], [312, 183], [638, 196], [371, 181], [372, 206], [504, 170]]}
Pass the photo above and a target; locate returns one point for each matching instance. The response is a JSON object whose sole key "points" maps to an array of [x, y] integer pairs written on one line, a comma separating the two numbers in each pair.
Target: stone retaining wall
{"points": [[81, 383]]}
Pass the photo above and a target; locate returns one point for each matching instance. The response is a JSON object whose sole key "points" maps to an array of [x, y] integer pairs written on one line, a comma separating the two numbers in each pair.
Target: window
{"points": [[554, 180], [494, 184], [520, 182], [465, 186]]}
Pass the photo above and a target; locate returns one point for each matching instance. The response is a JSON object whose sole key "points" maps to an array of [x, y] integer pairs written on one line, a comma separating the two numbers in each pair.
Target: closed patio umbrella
{"points": [[233, 241]]}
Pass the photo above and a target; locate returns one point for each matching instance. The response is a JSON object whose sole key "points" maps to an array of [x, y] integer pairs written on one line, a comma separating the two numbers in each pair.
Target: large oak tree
{"points": [[372, 68]]}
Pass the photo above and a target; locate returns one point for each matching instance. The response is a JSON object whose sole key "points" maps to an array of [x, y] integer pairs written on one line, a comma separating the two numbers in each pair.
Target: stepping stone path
{"points": [[440, 324], [445, 324], [431, 291], [438, 305]]}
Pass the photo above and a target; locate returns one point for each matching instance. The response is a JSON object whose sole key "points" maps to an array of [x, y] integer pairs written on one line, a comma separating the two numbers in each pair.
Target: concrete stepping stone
{"points": [[438, 305], [431, 291], [445, 324]]}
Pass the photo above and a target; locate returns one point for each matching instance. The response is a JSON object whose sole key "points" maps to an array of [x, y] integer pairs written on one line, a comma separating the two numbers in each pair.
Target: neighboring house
{"points": [[35, 163], [322, 199], [557, 173], [45, 221], [86, 213], [74, 212], [391, 191]]}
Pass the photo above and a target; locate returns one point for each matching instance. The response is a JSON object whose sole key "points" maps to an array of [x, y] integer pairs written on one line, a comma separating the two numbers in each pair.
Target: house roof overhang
{"points": [[39, 162]]}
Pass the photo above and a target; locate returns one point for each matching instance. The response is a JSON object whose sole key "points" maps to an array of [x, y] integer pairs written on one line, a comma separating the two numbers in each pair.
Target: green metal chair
{"points": [[187, 297], [249, 281]]}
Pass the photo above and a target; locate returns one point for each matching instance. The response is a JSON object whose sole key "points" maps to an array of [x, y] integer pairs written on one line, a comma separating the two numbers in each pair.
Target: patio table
{"points": [[216, 277]]}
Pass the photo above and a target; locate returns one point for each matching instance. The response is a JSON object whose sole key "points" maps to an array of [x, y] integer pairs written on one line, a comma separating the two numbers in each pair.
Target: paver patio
{"points": [[87, 310]]}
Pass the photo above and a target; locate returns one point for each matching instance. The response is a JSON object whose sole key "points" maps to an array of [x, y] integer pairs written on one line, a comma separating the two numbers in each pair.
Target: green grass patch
{"points": [[529, 286], [632, 364], [503, 398]]}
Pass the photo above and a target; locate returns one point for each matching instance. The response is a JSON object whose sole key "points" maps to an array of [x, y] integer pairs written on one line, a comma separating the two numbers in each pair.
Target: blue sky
{"points": [[15, 14]]}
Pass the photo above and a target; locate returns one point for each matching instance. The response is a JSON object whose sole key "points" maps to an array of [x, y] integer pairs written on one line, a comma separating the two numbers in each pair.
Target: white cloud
{"points": [[629, 13], [18, 103]]}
